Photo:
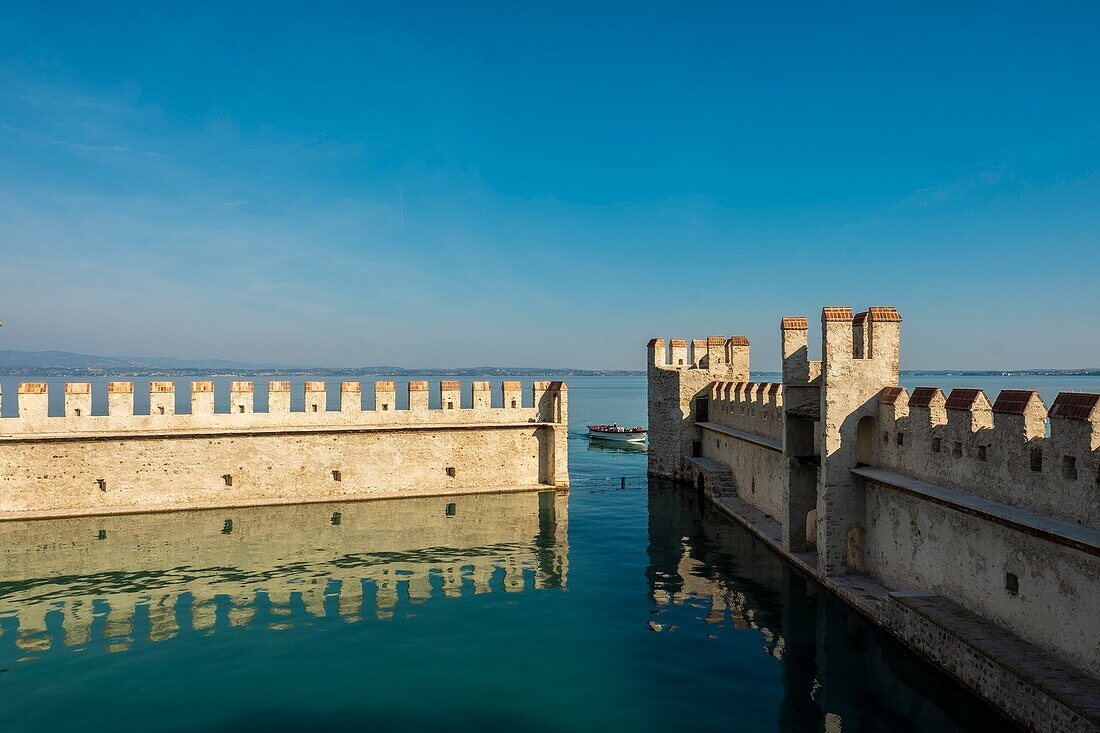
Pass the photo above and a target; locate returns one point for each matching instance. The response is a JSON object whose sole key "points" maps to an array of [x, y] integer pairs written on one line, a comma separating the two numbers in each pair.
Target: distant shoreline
{"points": [[530, 372]]}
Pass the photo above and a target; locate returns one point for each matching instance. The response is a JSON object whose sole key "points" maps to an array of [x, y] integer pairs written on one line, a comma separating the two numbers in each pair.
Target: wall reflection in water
{"points": [[839, 671], [111, 581]]}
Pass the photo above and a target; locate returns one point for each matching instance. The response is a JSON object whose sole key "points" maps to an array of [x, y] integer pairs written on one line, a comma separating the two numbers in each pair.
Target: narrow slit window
{"points": [[102, 534], [451, 510], [901, 439], [77, 412], [160, 409], [335, 519], [101, 483], [513, 404], [450, 405], [313, 408], [228, 479], [1069, 468], [385, 406], [982, 453], [451, 471], [336, 476], [1036, 459], [240, 408], [1012, 584], [227, 526], [935, 445], [957, 451]]}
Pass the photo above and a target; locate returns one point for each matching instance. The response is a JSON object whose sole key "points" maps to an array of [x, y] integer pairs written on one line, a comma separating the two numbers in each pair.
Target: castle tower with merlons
{"points": [[967, 526]]}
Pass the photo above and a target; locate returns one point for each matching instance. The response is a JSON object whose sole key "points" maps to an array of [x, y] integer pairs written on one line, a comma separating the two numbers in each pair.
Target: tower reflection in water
{"points": [[839, 671], [107, 582]]}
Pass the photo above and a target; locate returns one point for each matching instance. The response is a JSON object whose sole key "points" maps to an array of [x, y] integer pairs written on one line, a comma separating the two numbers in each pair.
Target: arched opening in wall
{"points": [[865, 441], [811, 530], [856, 538], [701, 486]]}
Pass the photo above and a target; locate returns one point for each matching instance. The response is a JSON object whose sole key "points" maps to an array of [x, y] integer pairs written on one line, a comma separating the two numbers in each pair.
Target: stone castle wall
{"points": [[1000, 450], [992, 505], [677, 378], [121, 462]]}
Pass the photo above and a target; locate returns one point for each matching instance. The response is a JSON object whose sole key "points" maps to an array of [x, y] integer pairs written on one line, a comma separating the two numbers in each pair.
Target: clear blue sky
{"points": [[549, 184]]}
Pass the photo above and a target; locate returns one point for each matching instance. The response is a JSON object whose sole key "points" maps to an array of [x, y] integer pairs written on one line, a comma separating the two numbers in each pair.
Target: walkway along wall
{"points": [[81, 463], [955, 521]]}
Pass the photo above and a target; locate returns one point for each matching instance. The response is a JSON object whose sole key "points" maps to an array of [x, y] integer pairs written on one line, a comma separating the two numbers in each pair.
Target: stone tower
{"points": [[860, 356], [677, 379]]}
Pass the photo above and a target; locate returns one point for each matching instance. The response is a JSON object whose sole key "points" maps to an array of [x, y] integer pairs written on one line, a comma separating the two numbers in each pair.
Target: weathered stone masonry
{"points": [[82, 463], [958, 523]]}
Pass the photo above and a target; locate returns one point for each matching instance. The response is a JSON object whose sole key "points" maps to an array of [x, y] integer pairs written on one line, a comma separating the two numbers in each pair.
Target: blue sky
{"points": [[431, 184]]}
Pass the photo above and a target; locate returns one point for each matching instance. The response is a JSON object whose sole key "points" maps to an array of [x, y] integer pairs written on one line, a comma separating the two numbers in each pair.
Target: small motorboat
{"points": [[618, 433]]}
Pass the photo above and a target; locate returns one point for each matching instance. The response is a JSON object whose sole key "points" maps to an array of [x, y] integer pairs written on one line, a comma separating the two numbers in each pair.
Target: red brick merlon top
{"points": [[884, 313], [418, 385], [678, 342], [1014, 401], [384, 385], [450, 385], [891, 395], [351, 387], [248, 387], [836, 313], [794, 323], [738, 341], [32, 388], [923, 396], [78, 388], [280, 385], [965, 399], [1076, 406], [715, 341], [315, 386]]}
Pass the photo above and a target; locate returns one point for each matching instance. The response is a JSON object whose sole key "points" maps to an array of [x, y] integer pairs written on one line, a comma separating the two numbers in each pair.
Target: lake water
{"points": [[597, 609]]}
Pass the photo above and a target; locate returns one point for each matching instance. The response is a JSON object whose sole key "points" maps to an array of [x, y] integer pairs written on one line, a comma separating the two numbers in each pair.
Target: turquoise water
{"points": [[600, 609]]}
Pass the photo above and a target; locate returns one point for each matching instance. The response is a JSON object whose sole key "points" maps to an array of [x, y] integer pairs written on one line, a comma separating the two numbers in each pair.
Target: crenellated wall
{"points": [[755, 407], [999, 450], [122, 462], [990, 505], [677, 379]]}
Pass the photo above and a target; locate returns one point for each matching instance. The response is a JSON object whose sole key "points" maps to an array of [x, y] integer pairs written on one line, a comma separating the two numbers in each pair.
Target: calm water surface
{"points": [[600, 609]]}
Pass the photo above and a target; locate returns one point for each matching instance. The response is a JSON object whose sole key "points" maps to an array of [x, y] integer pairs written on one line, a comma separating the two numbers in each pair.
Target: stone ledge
{"points": [[1059, 531], [761, 440], [1037, 688]]}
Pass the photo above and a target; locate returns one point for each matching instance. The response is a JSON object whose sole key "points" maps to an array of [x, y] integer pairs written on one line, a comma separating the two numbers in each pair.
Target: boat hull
{"points": [[618, 437]]}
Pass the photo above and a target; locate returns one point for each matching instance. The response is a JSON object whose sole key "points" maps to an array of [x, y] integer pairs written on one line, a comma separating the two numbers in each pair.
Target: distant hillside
{"points": [[11, 359], [64, 363]]}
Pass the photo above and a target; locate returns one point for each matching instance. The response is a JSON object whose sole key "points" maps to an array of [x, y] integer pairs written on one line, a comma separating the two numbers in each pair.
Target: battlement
{"points": [[1000, 449], [243, 454], [714, 353], [754, 407], [78, 417], [991, 503]]}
